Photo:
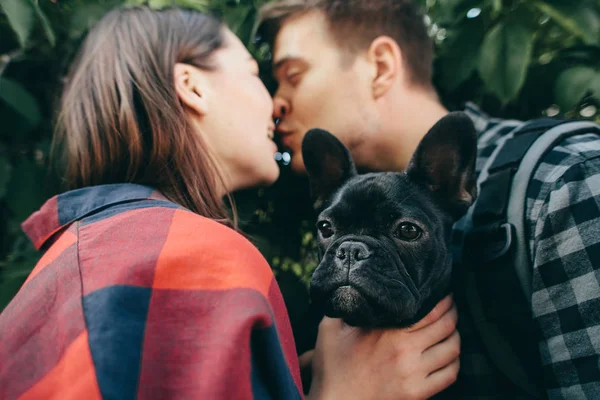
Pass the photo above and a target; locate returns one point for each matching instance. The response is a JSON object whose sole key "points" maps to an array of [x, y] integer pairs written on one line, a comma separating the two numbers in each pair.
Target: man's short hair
{"points": [[354, 24]]}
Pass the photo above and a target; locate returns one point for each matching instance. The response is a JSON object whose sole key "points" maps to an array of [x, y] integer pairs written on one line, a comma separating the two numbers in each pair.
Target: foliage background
{"points": [[514, 58]]}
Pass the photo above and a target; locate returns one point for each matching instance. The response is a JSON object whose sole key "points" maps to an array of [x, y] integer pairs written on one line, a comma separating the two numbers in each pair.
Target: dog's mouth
{"points": [[348, 303], [358, 306]]}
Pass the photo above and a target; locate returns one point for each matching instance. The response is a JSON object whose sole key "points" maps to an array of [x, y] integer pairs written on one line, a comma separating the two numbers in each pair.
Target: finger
{"points": [[442, 354], [329, 325], [441, 379], [439, 330], [440, 309], [327, 322], [333, 329], [305, 360]]}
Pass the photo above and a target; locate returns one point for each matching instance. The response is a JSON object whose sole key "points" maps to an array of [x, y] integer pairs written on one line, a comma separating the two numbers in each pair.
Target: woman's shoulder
{"points": [[193, 235], [200, 253], [171, 248]]}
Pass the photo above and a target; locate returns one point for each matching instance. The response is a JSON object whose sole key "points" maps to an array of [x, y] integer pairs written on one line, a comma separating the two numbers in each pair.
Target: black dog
{"points": [[383, 237]]}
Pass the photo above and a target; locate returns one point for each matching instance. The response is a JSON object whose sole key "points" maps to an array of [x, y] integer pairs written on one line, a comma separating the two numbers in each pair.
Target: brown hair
{"points": [[121, 120], [356, 23]]}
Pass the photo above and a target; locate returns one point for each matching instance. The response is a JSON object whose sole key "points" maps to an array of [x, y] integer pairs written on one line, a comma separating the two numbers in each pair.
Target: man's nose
{"points": [[280, 107]]}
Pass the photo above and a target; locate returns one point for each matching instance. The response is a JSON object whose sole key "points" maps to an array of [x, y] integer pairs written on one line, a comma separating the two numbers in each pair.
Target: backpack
{"points": [[494, 256]]}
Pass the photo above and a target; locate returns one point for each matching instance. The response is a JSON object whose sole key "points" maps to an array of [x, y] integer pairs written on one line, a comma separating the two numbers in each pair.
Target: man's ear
{"points": [[191, 88], [386, 58], [328, 164], [445, 162]]}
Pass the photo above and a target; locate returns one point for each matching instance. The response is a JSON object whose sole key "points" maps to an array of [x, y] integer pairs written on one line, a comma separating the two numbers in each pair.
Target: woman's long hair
{"points": [[121, 120]]}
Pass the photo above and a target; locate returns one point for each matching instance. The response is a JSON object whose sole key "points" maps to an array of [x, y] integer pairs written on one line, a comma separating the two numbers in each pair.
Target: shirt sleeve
{"points": [[566, 283]]}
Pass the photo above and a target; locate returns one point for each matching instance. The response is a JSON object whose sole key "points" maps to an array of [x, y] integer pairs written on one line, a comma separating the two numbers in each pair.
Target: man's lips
{"points": [[286, 139]]}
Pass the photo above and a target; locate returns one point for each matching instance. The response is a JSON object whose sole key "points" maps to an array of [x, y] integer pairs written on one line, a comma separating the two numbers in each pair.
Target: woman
{"points": [[145, 288]]}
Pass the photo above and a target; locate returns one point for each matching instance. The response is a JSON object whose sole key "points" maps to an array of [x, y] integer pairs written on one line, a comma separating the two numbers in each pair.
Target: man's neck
{"points": [[404, 121]]}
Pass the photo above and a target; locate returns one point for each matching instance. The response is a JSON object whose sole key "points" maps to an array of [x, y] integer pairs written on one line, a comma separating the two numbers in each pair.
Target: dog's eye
{"points": [[408, 231], [325, 228]]}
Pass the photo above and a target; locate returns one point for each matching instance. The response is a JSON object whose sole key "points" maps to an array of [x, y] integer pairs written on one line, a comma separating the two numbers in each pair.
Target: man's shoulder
{"points": [[571, 153], [575, 160], [583, 147]]}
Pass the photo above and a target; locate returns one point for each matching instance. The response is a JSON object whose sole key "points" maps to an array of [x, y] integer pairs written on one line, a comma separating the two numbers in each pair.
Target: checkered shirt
{"points": [[563, 223]]}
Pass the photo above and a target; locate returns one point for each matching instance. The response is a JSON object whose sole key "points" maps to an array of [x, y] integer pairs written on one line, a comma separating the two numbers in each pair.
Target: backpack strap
{"points": [[498, 295], [518, 194]]}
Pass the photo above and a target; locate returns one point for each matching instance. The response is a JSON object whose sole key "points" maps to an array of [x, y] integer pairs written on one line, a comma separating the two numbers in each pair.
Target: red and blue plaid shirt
{"points": [[136, 297]]}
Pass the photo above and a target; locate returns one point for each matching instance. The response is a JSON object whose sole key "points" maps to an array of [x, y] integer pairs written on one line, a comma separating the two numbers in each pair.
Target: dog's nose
{"points": [[356, 251]]}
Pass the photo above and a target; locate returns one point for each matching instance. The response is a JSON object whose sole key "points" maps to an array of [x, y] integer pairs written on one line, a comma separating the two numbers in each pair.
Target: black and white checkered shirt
{"points": [[563, 221]]}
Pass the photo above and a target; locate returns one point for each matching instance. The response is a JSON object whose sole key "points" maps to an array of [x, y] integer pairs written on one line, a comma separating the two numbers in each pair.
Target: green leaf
{"points": [[461, 55], [87, 15], [496, 7], [135, 2], [20, 15], [5, 169], [579, 19], [236, 18], [25, 191], [158, 4], [200, 5], [574, 84], [8, 289], [505, 56], [20, 100], [45, 24]]}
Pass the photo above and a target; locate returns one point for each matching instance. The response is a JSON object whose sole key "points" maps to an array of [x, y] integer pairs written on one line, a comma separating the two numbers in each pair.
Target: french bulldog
{"points": [[383, 237]]}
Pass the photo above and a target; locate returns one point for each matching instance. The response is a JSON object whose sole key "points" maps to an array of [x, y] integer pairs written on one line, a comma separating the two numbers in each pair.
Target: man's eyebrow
{"points": [[280, 63]]}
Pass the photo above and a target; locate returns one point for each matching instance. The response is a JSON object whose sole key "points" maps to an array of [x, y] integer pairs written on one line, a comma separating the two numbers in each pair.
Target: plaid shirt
{"points": [[136, 297], [563, 222]]}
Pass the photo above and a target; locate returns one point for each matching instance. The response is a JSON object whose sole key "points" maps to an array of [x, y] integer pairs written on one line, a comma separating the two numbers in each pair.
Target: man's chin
{"points": [[297, 164]]}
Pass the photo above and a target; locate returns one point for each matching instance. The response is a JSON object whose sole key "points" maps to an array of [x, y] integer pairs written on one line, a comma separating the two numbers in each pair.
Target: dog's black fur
{"points": [[383, 237]]}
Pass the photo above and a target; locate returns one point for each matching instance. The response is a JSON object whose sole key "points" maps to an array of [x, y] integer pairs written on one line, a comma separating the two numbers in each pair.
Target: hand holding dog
{"points": [[409, 363]]}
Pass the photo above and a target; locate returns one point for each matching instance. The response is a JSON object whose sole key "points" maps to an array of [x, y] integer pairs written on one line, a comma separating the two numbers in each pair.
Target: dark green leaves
{"points": [[20, 101], [505, 57], [240, 19], [576, 83], [461, 56], [48, 31], [575, 17], [492, 47], [22, 16], [19, 111], [5, 169], [25, 190]]}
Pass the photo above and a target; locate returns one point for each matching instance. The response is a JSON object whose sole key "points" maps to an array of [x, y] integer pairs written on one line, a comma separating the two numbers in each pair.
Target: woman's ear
{"points": [[191, 88], [385, 56]]}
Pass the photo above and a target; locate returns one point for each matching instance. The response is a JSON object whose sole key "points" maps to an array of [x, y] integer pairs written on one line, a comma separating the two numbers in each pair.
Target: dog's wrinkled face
{"points": [[383, 237]]}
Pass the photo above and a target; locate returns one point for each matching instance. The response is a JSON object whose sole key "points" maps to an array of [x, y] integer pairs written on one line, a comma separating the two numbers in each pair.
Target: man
{"points": [[362, 69]]}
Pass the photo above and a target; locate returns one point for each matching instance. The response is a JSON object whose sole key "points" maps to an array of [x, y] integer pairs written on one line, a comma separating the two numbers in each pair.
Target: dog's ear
{"points": [[445, 162], [328, 164]]}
